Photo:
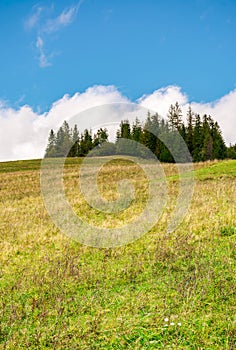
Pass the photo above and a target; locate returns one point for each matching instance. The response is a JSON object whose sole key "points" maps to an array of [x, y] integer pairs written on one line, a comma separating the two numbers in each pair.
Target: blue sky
{"points": [[60, 58], [50, 48]]}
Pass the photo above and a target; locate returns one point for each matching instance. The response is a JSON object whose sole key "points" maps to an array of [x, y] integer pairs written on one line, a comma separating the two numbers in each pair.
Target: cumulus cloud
{"points": [[161, 99], [24, 133], [222, 110]]}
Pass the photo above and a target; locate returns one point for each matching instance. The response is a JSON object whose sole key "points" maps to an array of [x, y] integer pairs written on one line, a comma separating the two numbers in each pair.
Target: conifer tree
{"points": [[197, 139], [124, 130], [219, 147], [207, 140], [136, 132], [50, 150], [150, 130], [123, 146], [175, 116], [74, 151], [189, 131], [86, 143], [231, 152], [100, 137], [60, 143]]}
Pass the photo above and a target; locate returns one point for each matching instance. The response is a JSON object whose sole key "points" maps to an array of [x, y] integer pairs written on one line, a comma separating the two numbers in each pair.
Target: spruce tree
{"points": [[189, 131], [231, 152], [150, 130], [63, 140], [74, 151], [60, 151], [124, 131], [207, 139], [100, 137], [50, 150], [175, 117], [86, 143], [197, 139], [219, 147], [136, 132], [123, 146]]}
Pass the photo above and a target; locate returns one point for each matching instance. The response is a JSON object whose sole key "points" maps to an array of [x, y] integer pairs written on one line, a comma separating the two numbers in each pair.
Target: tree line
{"points": [[202, 135]]}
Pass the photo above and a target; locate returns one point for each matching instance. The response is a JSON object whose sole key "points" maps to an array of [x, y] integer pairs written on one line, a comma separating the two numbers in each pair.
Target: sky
{"points": [[58, 58]]}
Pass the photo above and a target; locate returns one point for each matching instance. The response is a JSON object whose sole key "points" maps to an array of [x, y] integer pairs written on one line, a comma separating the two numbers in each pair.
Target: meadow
{"points": [[163, 291]]}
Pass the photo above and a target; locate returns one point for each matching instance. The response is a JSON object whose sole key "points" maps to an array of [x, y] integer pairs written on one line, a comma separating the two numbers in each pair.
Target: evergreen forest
{"points": [[201, 135]]}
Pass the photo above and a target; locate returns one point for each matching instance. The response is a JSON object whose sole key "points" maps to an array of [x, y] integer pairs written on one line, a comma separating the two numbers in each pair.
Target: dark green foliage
{"points": [[190, 129], [124, 131], [59, 145], [136, 131], [125, 146], [197, 139], [211, 144], [150, 132], [100, 137], [231, 152], [51, 147], [68, 142], [75, 143], [227, 231], [175, 117], [86, 143], [106, 149], [167, 140], [207, 139], [219, 147]]}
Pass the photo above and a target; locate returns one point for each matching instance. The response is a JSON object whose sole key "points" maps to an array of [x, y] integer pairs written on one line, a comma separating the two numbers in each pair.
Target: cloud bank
{"points": [[24, 133]]}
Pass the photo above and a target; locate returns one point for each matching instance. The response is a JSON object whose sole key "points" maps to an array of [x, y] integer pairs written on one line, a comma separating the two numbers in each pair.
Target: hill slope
{"points": [[57, 293]]}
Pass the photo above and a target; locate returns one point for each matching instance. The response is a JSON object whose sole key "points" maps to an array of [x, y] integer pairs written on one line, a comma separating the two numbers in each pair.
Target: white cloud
{"points": [[66, 17], [34, 18], [43, 59], [24, 133], [161, 99], [16, 132], [44, 26], [223, 110]]}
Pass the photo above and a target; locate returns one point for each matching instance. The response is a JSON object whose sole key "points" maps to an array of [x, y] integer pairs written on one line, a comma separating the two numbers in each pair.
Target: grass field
{"points": [[163, 291]]}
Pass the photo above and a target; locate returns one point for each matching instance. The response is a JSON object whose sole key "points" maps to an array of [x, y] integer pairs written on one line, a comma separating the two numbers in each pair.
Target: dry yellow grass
{"points": [[59, 294]]}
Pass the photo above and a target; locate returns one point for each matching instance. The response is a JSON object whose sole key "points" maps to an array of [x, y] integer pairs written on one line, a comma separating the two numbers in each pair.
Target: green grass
{"points": [[27, 165], [59, 294], [20, 165], [219, 169]]}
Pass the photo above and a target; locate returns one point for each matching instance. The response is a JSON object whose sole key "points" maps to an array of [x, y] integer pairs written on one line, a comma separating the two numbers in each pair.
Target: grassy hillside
{"points": [[163, 291]]}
